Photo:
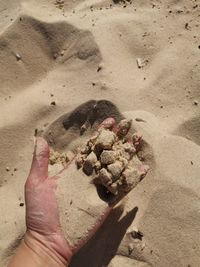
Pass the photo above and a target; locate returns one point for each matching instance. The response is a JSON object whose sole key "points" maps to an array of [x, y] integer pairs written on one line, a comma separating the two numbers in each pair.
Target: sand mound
{"points": [[52, 43], [190, 130], [143, 57]]}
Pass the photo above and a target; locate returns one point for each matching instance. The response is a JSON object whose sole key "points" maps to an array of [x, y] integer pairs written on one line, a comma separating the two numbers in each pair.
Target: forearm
{"points": [[32, 253]]}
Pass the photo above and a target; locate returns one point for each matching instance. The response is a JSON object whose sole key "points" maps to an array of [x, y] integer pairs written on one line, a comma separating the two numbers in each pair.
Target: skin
{"points": [[44, 243]]}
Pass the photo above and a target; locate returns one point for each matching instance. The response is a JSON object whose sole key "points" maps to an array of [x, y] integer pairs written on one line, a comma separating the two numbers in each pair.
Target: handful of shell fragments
{"points": [[112, 160]]}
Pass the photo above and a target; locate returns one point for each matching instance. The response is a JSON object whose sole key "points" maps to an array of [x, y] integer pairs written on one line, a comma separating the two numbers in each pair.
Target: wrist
{"points": [[44, 251]]}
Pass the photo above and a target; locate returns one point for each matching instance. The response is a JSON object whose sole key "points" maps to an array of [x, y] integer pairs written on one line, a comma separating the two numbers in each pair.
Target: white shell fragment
{"points": [[141, 62], [18, 57]]}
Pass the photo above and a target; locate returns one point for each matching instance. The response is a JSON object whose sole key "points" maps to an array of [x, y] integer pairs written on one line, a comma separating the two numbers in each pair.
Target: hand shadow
{"points": [[103, 246]]}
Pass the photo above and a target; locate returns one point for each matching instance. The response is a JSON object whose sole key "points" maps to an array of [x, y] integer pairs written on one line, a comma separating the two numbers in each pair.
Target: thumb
{"points": [[39, 167]]}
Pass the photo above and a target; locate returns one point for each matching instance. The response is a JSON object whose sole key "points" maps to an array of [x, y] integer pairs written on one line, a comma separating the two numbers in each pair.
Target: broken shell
{"points": [[18, 57], [141, 62]]}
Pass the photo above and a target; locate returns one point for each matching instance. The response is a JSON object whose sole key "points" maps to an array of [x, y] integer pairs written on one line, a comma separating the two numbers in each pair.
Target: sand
{"points": [[143, 56]]}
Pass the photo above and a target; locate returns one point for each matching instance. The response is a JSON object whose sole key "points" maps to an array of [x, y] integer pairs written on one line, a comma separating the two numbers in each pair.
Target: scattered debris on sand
{"points": [[141, 62], [53, 103], [60, 158], [7, 169], [112, 159], [59, 4], [18, 57]]}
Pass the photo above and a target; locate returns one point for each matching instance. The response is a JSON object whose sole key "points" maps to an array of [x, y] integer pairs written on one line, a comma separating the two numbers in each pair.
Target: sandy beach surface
{"points": [[135, 59]]}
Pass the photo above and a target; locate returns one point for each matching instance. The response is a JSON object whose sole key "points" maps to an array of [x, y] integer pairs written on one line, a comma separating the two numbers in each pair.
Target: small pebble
{"points": [[99, 68], [108, 157], [21, 204], [130, 178], [89, 163], [115, 169], [140, 120], [55, 55], [97, 166], [196, 103], [105, 140], [135, 234], [186, 26], [105, 176], [53, 103], [7, 169]]}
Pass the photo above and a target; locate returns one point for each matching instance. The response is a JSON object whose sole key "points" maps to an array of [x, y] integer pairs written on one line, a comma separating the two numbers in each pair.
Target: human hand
{"points": [[42, 216]]}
